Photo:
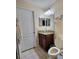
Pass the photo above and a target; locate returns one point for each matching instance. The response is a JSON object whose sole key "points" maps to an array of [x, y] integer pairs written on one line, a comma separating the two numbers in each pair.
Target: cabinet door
{"points": [[41, 40], [44, 43], [50, 38]]}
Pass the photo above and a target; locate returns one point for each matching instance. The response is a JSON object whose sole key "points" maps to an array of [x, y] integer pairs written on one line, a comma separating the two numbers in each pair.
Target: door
{"points": [[26, 24]]}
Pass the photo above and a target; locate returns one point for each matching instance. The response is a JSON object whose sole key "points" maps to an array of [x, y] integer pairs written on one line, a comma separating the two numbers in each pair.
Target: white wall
{"points": [[58, 9], [59, 33]]}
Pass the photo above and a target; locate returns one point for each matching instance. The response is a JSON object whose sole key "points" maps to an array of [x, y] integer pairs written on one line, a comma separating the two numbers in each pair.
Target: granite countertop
{"points": [[46, 32]]}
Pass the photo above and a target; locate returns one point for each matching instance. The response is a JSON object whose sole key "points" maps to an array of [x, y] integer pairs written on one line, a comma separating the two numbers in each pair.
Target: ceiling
{"points": [[44, 4]]}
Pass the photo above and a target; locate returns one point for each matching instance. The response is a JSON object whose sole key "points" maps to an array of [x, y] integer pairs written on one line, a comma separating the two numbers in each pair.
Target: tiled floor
{"points": [[30, 54], [41, 53], [36, 53]]}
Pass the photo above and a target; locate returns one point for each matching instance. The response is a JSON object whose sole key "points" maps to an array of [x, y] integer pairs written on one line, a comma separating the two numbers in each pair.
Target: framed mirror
{"points": [[44, 21]]}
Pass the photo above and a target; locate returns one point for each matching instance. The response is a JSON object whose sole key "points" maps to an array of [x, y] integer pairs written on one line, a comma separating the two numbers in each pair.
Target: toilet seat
{"points": [[55, 53]]}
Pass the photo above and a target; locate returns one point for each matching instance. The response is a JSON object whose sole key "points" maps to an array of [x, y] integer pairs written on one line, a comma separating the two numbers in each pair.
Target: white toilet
{"points": [[53, 52]]}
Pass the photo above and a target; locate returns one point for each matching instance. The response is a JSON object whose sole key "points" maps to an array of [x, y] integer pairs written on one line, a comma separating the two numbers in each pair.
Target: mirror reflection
{"points": [[44, 21]]}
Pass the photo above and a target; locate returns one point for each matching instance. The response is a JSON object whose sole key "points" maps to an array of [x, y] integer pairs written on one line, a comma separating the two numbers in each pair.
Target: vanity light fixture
{"points": [[49, 12]]}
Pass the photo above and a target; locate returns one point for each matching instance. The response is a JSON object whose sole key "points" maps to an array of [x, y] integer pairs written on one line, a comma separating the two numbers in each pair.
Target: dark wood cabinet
{"points": [[46, 40]]}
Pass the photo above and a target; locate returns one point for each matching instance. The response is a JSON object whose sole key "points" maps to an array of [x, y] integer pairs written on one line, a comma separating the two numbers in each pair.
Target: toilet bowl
{"points": [[53, 52]]}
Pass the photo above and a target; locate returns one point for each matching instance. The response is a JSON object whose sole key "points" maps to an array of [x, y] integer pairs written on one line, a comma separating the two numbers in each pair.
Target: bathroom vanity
{"points": [[46, 39]]}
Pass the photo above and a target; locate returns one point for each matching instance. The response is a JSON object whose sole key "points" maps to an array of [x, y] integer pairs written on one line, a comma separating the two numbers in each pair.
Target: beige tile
{"points": [[41, 53], [35, 53]]}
